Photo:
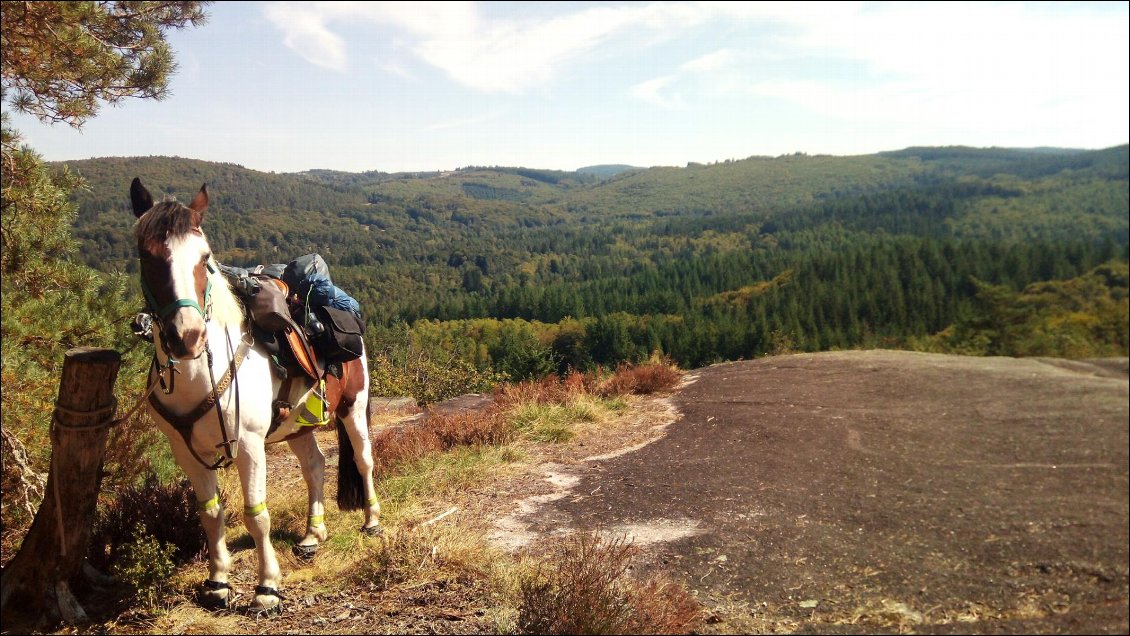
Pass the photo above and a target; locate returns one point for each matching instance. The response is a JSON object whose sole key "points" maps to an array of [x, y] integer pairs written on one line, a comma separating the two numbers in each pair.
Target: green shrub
{"points": [[166, 512], [427, 377], [146, 564]]}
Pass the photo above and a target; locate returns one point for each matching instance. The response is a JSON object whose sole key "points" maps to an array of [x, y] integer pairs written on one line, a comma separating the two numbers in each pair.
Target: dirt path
{"points": [[866, 491]]}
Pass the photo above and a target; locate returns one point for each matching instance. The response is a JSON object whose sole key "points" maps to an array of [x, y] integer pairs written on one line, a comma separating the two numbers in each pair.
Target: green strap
{"points": [[253, 511], [163, 312], [211, 504], [316, 520], [372, 501]]}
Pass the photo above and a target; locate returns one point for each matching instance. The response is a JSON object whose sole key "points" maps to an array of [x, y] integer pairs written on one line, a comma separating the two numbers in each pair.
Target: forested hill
{"points": [[702, 262]]}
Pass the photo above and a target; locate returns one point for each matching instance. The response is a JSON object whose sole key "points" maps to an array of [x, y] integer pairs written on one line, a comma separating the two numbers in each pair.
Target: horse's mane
{"points": [[226, 309], [170, 219], [165, 220]]}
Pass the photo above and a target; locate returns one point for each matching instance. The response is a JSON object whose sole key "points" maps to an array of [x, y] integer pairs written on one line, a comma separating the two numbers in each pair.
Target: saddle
{"points": [[293, 356]]}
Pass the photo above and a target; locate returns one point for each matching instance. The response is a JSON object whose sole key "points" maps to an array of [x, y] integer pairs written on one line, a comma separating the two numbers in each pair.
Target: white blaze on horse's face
{"points": [[188, 268]]}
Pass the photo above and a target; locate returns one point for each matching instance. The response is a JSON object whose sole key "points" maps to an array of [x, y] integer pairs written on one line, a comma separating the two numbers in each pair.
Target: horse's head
{"points": [[175, 265]]}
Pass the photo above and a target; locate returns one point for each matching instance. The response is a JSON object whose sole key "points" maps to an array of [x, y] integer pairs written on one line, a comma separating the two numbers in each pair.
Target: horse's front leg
{"points": [[215, 592], [313, 463], [252, 464]]}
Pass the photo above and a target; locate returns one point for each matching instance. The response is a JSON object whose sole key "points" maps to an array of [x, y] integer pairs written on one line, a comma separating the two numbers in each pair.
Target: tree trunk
{"points": [[39, 580]]}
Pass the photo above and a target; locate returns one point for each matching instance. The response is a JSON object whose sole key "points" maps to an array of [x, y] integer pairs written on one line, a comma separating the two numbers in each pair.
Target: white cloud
{"points": [[499, 55], [666, 91], [650, 91], [304, 31], [952, 65], [1002, 69], [709, 62]]}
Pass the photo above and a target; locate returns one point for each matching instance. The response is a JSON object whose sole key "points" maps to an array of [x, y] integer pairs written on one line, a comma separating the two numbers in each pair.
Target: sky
{"points": [[397, 87]]}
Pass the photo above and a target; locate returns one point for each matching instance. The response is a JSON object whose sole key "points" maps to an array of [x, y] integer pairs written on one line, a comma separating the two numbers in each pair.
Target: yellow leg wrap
{"points": [[372, 501], [210, 505], [252, 511], [316, 520]]}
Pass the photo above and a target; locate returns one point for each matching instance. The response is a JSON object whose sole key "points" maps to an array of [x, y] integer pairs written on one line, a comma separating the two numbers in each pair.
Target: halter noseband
{"points": [[168, 309]]}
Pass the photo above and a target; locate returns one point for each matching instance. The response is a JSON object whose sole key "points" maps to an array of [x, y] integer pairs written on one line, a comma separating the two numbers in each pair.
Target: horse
{"points": [[200, 334]]}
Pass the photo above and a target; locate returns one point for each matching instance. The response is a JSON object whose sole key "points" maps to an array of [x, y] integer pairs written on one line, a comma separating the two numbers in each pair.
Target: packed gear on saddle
{"points": [[308, 326], [300, 295]]}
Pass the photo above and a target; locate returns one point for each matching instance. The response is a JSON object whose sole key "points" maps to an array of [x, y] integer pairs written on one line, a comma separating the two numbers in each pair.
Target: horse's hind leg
{"points": [[214, 592], [353, 418], [313, 464]]}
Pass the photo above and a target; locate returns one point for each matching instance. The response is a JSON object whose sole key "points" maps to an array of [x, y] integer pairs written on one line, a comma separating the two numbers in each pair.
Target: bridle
{"points": [[163, 312], [159, 313], [184, 423]]}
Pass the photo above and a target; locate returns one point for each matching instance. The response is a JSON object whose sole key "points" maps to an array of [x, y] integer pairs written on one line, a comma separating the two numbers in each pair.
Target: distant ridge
{"points": [[607, 170]]}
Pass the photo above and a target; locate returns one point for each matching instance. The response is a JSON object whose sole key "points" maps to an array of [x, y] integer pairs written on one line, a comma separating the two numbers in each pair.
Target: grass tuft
{"points": [[585, 589], [643, 379]]}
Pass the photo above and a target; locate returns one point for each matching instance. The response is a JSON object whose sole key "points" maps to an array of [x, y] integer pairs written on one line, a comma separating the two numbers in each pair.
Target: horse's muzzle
{"points": [[184, 343]]}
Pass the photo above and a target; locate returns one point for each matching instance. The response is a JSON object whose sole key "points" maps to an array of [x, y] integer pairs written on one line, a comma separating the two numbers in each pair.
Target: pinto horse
{"points": [[219, 395]]}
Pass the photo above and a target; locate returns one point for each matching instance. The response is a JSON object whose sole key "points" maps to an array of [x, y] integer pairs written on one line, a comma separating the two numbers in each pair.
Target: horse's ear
{"points": [[140, 198], [200, 201], [199, 204]]}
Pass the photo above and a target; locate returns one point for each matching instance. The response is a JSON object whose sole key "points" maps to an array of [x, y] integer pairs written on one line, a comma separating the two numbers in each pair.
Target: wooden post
{"points": [[39, 580]]}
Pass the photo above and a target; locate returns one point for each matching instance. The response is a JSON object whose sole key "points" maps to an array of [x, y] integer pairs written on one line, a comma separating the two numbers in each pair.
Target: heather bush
{"points": [[585, 589]]}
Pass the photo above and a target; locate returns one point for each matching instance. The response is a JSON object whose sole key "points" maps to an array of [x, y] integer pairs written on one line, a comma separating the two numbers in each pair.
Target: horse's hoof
{"points": [[267, 602], [305, 553], [373, 531], [214, 595]]}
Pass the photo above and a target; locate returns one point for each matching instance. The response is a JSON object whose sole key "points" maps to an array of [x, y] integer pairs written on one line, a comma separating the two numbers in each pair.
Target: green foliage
{"points": [[147, 566], [516, 273], [48, 304], [1083, 317], [401, 365], [61, 59]]}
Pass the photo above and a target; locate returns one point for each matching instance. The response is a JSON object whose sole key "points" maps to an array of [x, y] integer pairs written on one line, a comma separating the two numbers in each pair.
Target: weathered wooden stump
{"points": [[39, 581]]}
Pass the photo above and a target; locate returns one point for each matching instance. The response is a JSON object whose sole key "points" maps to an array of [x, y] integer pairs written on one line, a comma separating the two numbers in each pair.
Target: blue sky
{"points": [[396, 87]]}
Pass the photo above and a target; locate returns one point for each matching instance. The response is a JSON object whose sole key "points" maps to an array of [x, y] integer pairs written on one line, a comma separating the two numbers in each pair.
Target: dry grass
{"points": [[585, 589], [435, 553], [549, 390], [394, 447], [447, 567], [643, 379]]}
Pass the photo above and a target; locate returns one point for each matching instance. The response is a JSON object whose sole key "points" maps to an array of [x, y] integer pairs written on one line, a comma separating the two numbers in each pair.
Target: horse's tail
{"points": [[350, 487]]}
